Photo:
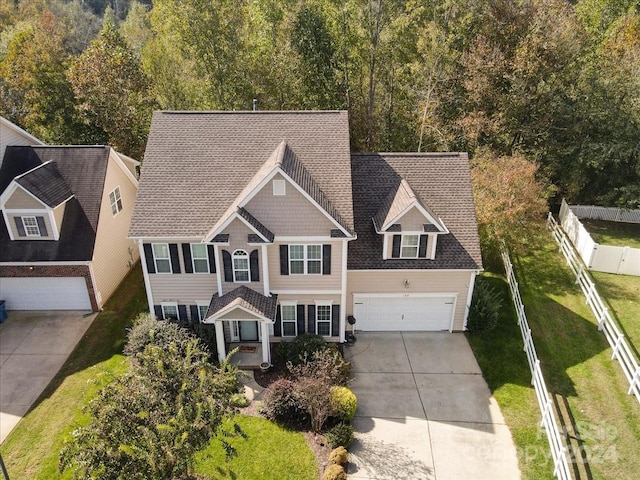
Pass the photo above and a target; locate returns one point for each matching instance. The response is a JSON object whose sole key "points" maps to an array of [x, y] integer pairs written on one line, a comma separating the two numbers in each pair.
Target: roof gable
{"points": [[46, 184], [243, 298]]}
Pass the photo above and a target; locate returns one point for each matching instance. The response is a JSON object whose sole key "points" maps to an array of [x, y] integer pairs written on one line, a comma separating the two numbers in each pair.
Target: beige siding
{"points": [[389, 281], [58, 215], [238, 314], [306, 282], [114, 253], [291, 214], [183, 288], [47, 223], [21, 199], [238, 233], [307, 299], [413, 221], [9, 136]]}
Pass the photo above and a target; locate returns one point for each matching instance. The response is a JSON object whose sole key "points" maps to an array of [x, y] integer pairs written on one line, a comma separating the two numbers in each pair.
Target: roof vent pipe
{"points": [[255, 104]]}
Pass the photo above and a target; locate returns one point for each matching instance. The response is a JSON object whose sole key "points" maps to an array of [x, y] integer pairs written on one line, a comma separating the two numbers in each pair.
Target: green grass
{"points": [[613, 233], [266, 451], [31, 450]]}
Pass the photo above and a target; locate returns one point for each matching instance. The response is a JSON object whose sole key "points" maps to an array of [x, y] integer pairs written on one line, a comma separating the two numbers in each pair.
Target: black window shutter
{"points": [[300, 319], [42, 227], [228, 266], [212, 259], [195, 316], [277, 326], [253, 266], [182, 313], [422, 251], [175, 260], [148, 256], [335, 320], [326, 259], [186, 254], [284, 259], [395, 252], [158, 311], [20, 226], [311, 322]]}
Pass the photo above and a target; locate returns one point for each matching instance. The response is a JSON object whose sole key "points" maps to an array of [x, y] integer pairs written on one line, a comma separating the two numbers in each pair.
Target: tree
{"points": [[510, 199], [113, 91], [150, 422]]}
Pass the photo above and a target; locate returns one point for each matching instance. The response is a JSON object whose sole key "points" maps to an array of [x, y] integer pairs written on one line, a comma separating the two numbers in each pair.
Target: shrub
{"points": [[343, 403], [280, 403], [334, 472], [303, 346], [146, 330], [340, 435], [239, 400], [486, 304], [327, 363], [338, 456]]}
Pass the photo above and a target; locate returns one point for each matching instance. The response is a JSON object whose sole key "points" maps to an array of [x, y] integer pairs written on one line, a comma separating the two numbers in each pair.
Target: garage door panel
{"points": [[45, 293], [403, 313]]}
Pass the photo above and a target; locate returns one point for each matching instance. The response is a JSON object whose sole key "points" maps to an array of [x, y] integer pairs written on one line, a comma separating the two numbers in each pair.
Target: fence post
{"points": [[603, 317], [616, 347], [635, 380]]}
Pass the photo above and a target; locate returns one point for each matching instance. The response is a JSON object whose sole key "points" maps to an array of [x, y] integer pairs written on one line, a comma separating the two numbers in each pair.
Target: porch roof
{"points": [[243, 298]]}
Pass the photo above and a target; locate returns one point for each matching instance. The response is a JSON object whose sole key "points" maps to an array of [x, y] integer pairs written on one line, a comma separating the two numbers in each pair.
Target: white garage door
{"points": [[403, 313], [46, 293]]}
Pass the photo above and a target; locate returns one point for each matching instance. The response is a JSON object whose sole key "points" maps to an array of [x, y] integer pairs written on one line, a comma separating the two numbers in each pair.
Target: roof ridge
{"points": [[32, 170]]}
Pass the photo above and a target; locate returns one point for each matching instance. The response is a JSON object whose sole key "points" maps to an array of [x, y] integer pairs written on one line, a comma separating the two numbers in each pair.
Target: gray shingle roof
{"points": [[46, 183], [255, 223], [83, 169], [197, 163], [442, 181], [247, 298]]}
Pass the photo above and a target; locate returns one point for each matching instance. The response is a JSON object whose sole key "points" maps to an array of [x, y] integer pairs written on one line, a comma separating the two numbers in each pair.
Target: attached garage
{"points": [[45, 293], [403, 312]]}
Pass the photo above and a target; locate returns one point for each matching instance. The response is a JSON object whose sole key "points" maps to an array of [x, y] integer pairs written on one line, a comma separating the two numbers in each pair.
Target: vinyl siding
{"points": [[291, 214], [309, 299], [183, 288], [388, 281], [58, 215], [239, 315], [413, 221], [238, 233], [9, 136], [306, 282], [21, 199], [114, 253], [47, 223]]}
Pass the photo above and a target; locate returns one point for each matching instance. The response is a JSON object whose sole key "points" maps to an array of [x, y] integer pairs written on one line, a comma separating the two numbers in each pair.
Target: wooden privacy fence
{"points": [[606, 213], [559, 454], [600, 258], [606, 323]]}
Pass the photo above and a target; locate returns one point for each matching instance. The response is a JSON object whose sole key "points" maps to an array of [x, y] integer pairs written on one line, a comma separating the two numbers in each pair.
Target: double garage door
{"points": [[45, 293], [382, 313]]}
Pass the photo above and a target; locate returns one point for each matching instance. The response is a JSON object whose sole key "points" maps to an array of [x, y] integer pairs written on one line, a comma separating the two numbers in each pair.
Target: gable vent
{"points": [[279, 187]]}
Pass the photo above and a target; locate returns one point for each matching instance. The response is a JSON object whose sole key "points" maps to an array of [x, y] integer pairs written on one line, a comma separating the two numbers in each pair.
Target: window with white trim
{"points": [[161, 257], [240, 266], [199, 258], [31, 226], [289, 317], [169, 311], [409, 246], [323, 319], [305, 259], [203, 308], [116, 201]]}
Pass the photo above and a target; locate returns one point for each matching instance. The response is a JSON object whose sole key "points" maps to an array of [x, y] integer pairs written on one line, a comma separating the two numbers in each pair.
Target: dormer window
{"points": [[31, 226], [409, 246]]}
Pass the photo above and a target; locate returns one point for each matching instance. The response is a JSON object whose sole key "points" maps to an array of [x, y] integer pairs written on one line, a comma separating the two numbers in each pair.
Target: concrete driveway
{"points": [[33, 347], [425, 411]]}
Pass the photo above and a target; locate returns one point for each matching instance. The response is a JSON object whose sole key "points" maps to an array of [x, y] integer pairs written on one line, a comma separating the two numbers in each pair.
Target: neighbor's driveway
{"points": [[425, 411], [33, 347]]}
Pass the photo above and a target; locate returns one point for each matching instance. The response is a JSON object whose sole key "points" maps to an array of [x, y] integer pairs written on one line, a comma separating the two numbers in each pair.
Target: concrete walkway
{"points": [[425, 411], [33, 347]]}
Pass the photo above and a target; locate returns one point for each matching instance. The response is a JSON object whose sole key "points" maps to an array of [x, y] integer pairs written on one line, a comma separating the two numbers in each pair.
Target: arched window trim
{"points": [[241, 267]]}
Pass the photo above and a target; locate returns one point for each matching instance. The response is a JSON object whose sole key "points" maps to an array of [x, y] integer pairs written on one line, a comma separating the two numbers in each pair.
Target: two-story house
{"points": [[265, 225]]}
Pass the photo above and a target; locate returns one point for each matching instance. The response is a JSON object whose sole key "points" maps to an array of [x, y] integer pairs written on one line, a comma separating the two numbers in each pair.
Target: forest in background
{"points": [[553, 81]]}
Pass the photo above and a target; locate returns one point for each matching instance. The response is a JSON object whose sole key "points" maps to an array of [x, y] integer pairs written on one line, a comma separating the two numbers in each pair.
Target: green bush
{"points": [[340, 435], [486, 304], [334, 472], [338, 456], [327, 363], [239, 400], [344, 403], [281, 405], [146, 330], [303, 346]]}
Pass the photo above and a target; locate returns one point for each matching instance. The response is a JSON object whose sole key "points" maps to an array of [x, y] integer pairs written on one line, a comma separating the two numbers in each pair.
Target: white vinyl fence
{"points": [[600, 258], [561, 468], [606, 324], [606, 213]]}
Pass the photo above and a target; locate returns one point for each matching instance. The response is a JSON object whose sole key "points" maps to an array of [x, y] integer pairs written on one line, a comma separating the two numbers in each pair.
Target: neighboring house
{"points": [[66, 212], [265, 225], [11, 134]]}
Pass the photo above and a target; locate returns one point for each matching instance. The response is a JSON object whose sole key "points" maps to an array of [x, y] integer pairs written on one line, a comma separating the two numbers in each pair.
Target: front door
{"points": [[248, 331]]}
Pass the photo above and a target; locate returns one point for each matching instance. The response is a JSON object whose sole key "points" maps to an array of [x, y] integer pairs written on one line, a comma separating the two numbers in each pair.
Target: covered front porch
{"points": [[249, 355]]}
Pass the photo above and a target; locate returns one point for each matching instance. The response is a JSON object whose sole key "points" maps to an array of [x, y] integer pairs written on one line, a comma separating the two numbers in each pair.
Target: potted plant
{"points": [[264, 366]]}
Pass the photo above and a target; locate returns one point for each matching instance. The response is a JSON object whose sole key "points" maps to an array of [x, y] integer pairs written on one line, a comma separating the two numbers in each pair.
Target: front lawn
{"points": [[613, 233], [265, 450]]}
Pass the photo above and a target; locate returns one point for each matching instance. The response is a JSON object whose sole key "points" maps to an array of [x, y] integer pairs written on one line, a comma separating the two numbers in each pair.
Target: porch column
{"points": [[220, 341], [266, 352]]}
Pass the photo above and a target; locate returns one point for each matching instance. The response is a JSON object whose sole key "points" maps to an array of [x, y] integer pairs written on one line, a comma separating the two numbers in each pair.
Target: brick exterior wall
{"points": [[53, 271]]}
